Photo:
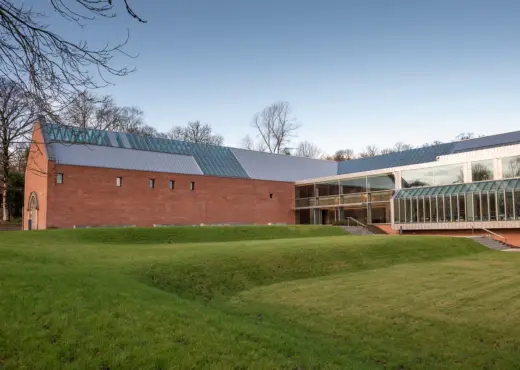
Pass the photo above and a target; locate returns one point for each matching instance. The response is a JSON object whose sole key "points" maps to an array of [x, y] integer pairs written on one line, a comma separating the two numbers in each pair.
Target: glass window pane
{"points": [[381, 182], [501, 206], [434, 209], [448, 175], [447, 206], [455, 208], [396, 211], [511, 167], [350, 186], [414, 178], [510, 206], [304, 191], [482, 170], [427, 217], [402, 210], [409, 210], [517, 204], [469, 207], [476, 207], [492, 206], [414, 210], [485, 207], [462, 207], [327, 189], [420, 210], [440, 209]]}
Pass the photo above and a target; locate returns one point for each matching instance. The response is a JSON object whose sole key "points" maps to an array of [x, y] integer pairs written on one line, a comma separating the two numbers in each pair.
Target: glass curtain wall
{"points": [[366, 199], [483, 201]]}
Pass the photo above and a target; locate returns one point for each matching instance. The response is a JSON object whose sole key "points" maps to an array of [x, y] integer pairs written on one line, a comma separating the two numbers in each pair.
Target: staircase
{"points": [[491, 243], [358, 230]]}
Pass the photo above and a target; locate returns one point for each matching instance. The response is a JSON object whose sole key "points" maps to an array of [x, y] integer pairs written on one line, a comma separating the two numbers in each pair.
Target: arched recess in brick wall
{"points": [[33, 211]]}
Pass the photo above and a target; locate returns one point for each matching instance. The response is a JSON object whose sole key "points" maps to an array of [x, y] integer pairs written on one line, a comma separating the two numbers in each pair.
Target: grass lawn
{"points": [[254, 297]]}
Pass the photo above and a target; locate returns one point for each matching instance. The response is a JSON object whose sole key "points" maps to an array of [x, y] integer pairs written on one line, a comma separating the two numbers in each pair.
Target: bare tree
{"points": [[17, 114], [433, 143], [275, 126], [52, 67], [309, 150], [370, 151], [342, 155], [91, 111], [196, 132], [465, 136], [398, 147], [248, 143]]}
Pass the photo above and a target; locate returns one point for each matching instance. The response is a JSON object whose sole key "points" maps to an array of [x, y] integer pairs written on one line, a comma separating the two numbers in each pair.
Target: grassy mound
{"points": [[71, 300], [186, 234], [228, 270]]}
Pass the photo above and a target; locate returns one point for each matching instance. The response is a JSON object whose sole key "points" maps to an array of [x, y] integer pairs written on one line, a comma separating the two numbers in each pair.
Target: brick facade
{"points": [[36, 180], [89, 196]]}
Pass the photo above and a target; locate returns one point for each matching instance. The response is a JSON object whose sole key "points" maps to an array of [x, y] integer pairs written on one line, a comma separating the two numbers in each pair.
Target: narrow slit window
{"points": [[119, 181], [192, 185], [270, 195], [172, 184], [152, 183], [59, 178]]}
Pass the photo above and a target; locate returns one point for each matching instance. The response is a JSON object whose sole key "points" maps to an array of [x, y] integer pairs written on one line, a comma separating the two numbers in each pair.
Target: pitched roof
{"points": [[131, 151], [86, 147], [426, 154]]}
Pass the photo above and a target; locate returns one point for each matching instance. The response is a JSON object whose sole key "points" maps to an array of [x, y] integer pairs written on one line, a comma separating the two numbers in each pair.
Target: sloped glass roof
{"points": [[477, 187]]}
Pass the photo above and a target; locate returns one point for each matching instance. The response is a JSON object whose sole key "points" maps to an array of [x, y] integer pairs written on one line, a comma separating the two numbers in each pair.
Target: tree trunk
{"points": [[5, 183]]}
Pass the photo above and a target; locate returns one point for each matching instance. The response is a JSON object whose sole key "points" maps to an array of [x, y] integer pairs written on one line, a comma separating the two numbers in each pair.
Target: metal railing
{"points": [[495, 234], [351, 221]]}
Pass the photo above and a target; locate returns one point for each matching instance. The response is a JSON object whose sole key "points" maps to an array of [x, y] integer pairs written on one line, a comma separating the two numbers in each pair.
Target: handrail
{"points": [[495, 234], [355, 221]]}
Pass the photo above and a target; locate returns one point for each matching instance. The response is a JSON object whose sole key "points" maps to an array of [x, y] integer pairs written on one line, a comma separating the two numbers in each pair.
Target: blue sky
{"points": [[355, 72]]}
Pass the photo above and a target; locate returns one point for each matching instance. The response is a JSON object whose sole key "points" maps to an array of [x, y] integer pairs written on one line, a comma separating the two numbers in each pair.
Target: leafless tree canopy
{"points": [[196, 132], [17, 114], [370, 151], [91, 111], [49, 66], [275, 126], [398, 147], [341, 155], [309, 150], [465, 136], [248, 143]]}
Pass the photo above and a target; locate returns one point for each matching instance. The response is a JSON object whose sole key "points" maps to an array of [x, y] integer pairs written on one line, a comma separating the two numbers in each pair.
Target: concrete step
{"points": [[358, 230], [490, 243]]}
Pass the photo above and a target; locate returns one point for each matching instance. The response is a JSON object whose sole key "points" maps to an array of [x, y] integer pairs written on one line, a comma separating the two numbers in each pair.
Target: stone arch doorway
{"points": [[32, 220]]}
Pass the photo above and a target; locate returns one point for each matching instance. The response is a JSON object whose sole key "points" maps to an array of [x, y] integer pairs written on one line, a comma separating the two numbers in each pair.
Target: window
{"points": [[413, 178], [172, 184], [59, 178], [270, 195], [382, 182], [327, 189], [152, 183], [352, 186], [192, 185], [482, 170], [448, 175], [119, 181], [511, 167]]}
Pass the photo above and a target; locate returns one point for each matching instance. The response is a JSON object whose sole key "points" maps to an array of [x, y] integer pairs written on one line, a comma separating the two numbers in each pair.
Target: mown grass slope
{"points": [[154, 299]]}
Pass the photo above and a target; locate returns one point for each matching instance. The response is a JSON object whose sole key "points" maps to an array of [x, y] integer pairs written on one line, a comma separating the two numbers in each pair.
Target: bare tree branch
{"points": [[196, 132], [370, 151], [309, 150], [50, 66], [17, 114], [275, 126]]}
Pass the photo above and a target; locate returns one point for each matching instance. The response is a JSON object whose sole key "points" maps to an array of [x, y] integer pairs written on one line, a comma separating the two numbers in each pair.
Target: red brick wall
{"points": [[89, 196], [36, 179]]}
